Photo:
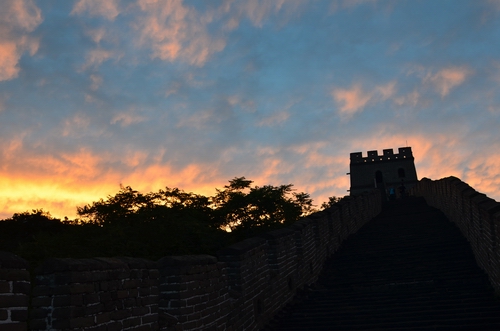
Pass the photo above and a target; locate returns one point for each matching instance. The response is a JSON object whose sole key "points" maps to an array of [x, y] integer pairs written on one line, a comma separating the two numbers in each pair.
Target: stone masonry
{"points": [[239, 289]]}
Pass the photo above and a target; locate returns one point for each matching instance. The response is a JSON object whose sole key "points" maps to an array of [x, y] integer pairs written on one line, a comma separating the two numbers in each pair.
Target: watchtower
{"points": [[382, 171]]}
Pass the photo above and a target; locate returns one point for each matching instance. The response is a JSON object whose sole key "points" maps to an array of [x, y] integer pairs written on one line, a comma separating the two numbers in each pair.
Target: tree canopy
{"points": [[155, 224]]}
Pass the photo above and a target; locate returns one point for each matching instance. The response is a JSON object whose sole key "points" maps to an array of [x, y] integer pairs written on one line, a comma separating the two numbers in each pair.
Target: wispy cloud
{"points": [[258, 11], [97, 56], [274, 119], [153, 93], [174, 31], [17, 19], [107, 9], [127, 118], [352, 100], [448, 78]]}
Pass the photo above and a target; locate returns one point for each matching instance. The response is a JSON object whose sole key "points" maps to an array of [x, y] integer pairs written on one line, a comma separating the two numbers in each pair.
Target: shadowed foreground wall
{"points": [[477, 216], [240, 289]]}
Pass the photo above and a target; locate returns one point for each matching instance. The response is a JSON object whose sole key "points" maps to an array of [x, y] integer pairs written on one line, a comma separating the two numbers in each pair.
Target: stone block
{"points": [[19, 315], [4, 314], [91, 298], [119, 315], [39, 313], [147, 319], [37, 324], [94, 309], [41, 301], [10, 301], [131, 322], [11, 261], [42, 290], [103, 317], [115, 326], [14, 327], [140, 311], [133, 293], [14, 274], [23, 287], [5, 287]]}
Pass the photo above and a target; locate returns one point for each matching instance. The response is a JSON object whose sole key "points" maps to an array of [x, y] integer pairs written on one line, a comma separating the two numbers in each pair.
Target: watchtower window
{"points": [[401, 173], [378, 177]]}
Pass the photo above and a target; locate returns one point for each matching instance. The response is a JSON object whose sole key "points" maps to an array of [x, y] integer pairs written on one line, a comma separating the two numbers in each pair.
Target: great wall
{"points": [[239, 289]]}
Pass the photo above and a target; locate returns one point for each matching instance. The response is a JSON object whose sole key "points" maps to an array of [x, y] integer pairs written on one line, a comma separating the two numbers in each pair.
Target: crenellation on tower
{"points": [[384, 171], [387, 154]]}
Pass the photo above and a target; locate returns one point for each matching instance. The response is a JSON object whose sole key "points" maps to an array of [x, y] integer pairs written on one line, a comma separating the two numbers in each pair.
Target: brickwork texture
{"points": [[239, 289], [476, 215]]}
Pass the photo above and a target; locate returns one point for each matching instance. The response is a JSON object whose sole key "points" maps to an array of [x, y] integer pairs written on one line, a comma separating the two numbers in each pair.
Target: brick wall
{"points": [[193, 293], [95, 294], [476, 215], [14, 292], [240, 289]]}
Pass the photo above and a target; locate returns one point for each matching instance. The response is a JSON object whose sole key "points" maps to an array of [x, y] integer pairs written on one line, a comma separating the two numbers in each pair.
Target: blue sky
{"points": [[190, 94]]}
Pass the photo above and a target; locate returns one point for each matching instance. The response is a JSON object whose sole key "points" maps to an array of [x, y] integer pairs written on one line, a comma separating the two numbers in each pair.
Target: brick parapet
{"points": [[95, 294], [14, 292], [241, 288], [194, 293], [476, 215]]}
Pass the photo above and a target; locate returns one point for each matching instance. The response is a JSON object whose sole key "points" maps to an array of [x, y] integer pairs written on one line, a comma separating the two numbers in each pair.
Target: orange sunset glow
{"points": [[190, 94]]}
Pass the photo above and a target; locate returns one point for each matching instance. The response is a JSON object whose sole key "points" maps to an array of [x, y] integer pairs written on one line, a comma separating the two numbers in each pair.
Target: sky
{"points": [[150, 94]]}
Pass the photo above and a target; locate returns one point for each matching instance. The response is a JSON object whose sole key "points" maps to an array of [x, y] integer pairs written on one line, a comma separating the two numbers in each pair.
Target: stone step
{"points": [[407, 269]]}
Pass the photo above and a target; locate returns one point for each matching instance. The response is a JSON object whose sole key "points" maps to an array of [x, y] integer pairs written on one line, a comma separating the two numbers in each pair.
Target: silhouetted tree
{"points": [[241, 207], [152, 225], [331, 201]]}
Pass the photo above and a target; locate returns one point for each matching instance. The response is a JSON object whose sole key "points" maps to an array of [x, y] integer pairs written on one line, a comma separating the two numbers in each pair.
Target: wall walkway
{"points": [[476, 215], [407, 269]]}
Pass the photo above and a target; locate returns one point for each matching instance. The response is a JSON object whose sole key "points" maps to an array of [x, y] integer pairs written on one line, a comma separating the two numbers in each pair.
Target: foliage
{"points": [[129, 207], [331, 201], [167, 222], [240, 207]]}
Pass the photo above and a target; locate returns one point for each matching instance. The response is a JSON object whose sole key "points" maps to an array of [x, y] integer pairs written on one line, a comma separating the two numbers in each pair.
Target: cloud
{"points": [[386, 91], [446, 79], [411, 99], [17, 19], [76, 125], [176, 32], [105, 8], [97, 35], [335, 5], [9, 57], [3, 99], [353, 100], [274, 119], [96, 82], [439, 155], [127, 119], [97, 56], [258, 11]]}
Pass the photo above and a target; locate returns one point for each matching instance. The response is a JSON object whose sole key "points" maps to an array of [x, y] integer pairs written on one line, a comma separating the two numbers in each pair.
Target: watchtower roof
{"points": [[388, 155]]}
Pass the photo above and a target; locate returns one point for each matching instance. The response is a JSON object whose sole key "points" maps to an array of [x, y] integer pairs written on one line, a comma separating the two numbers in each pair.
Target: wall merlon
{"points": [[476, 215], [387, 155], [240, 288]]}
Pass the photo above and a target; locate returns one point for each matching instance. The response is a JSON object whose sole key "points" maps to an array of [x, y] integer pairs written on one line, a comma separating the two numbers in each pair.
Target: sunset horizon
{"points": [[190, 94]]}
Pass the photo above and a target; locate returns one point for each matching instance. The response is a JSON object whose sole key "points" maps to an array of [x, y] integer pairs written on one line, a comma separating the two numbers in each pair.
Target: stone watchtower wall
{"points": [[384, 171], [240, 289], [477, 216]]}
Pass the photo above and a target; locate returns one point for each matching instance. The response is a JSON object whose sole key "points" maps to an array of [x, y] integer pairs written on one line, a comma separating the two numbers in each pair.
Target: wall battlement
{"points": [[383, 172], [387, 155], [239, 289], [476, 215]]}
